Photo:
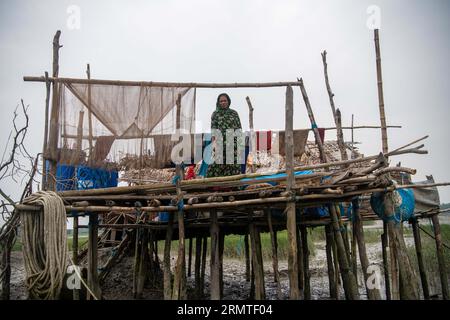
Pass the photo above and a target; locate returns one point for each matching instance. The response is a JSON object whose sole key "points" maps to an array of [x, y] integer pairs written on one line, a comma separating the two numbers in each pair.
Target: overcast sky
{"points": [[248, 41]]}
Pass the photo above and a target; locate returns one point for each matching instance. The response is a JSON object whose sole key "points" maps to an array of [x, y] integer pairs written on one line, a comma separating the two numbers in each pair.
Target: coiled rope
{"points": [[44, 237]]}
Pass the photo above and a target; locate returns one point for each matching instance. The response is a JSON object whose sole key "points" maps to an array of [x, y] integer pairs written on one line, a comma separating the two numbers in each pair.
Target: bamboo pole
{"points": [[273, 241], [197, 266], [380, 93], [384, 244], [214, 264], [257, 262], [79, 134], [203, 265], [440, 256], [372, 292], [179, 287], [340, 136], [353, 141], [300, 261], [45, 144], [93, 280], [307, 274], [190, 257], [164, 84], [418, 245], [142, 267], [247, 258], [91, 149], [54, 117], [336, 113], [221, 249], [332, 275], [252, 133], [319, 142], [291, 223], [349, 280], [167, 273]]}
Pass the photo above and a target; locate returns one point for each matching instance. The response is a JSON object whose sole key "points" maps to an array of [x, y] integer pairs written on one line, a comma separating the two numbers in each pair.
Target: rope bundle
{"points": [[44, 236]]}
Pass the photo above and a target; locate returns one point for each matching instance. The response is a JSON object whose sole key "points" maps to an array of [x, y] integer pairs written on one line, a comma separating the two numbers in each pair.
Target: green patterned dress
{"points": [[223, 119]]}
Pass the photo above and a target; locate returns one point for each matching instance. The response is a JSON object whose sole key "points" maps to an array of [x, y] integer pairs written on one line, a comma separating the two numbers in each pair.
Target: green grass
{"points": [[81, 241], [430, 256]]}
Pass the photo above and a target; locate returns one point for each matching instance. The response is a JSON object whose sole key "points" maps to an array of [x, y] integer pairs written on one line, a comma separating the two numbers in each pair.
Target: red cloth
{"points": [[190, 173], [264, 136]]}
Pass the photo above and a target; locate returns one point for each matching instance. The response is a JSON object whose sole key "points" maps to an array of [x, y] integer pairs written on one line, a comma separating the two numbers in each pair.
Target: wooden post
{"points": [[410, 289], [179, 286], [314, 128], [440, 256], [384, 244], [247, 258], [221, 248], [349, 280], [380, 93], [273, 240], [198, 255], [332, 280], [141, 262], [372, 292], [190, 257], [203, 264], [294, 292], [337, 271], [137, 259], [93, 280], [76, 292], [80, 135], [340, 136], [353, 141], [54, 118], [45, 144], [307, 275], [257, 262], [91, 149], [252, 133], [300, 262], [336, 113], [385, 150], [167, 273], [395, 281], [215, 267], [418, 245], [353, 251]]}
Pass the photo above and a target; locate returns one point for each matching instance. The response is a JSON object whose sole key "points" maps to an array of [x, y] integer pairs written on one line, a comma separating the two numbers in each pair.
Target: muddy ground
{"points": [[119, 282]]}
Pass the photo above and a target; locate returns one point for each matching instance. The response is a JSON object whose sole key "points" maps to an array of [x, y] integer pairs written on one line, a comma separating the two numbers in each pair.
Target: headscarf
{"points": [[218, 107]]}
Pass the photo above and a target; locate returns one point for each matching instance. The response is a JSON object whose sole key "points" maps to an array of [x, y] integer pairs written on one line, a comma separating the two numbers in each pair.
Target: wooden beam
{"points": [[165, 84]]}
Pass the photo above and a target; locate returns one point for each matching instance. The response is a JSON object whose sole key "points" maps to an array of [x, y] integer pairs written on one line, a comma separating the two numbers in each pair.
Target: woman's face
{"points": [[223, 101]]}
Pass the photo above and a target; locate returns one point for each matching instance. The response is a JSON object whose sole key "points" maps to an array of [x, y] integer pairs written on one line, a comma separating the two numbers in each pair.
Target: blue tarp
{"points": [[94, 178], [88, 178], [403, 204]]}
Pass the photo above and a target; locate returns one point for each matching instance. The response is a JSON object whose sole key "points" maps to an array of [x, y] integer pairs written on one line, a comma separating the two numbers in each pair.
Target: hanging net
{"points": [[121, 126]]}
